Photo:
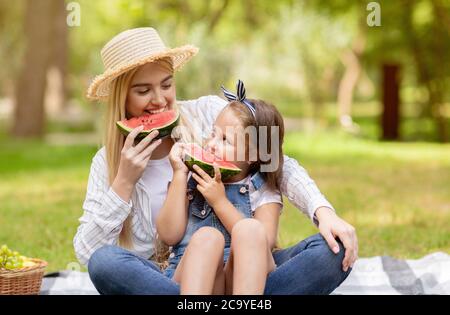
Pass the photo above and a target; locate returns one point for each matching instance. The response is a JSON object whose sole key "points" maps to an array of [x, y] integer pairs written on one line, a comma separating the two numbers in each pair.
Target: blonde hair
{"points": [[114, 141]]}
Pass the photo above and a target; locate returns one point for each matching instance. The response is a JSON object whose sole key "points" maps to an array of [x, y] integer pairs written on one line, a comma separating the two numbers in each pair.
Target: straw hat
{"points": [[133, 48]]}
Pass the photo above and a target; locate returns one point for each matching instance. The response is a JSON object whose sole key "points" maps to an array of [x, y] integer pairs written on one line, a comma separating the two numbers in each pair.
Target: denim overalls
{"points": [[201, 214]]}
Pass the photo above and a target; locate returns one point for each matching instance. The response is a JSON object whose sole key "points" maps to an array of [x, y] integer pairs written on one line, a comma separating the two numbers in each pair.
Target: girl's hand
{"points": [[211, 188], [133, 160], [176, 159]]}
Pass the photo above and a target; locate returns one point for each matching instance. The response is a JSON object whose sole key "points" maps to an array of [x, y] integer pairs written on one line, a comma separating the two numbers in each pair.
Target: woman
{"points": [[128, 183]]}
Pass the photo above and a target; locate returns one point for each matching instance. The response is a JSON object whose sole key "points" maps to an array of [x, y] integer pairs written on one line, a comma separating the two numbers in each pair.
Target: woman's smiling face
{"points": [[152, 90]]}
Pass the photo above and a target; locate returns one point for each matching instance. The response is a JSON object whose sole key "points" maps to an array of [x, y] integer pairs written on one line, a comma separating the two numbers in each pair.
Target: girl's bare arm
{"points": [[172, 219]]}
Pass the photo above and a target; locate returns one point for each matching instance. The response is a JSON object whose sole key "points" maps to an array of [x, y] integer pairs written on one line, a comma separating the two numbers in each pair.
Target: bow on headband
{"points": [[240, 96]]}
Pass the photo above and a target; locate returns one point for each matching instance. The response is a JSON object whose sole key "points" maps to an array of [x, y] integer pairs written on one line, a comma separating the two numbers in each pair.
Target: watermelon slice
{"points": [[195, 155], [163, 122]]}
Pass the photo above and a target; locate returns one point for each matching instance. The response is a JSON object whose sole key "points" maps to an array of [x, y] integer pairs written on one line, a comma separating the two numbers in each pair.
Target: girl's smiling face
{"points": [[152, 90], [225, 141]]}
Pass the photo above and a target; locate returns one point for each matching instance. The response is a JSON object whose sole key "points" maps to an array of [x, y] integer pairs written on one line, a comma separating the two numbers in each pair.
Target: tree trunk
{"points": [[347, 86], [29, 113], [351, 60], [57, 83], [391, 100]]}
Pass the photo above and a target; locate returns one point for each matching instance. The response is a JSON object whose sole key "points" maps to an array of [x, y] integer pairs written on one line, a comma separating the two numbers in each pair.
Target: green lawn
{"points": [[395, 194]]}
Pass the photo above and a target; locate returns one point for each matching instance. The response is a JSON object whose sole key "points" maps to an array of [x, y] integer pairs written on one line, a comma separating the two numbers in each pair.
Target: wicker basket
{"points": [[25, 281]]}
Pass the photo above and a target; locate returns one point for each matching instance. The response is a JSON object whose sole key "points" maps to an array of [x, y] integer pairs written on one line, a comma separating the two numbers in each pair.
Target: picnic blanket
{"points": [[376, 275]]}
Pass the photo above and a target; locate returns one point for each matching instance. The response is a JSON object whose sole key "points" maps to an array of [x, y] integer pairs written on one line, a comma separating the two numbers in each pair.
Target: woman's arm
{"points": [[172, 218], [104, 213], [301, 190], [105, 207]]}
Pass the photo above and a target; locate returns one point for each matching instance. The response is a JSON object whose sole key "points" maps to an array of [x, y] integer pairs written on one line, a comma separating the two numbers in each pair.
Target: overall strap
{"points": [[257, 180]]}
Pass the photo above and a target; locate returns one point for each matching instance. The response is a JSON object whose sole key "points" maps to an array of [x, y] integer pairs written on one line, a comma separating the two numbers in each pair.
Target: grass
{"points": [[41, 192], [395, 194]]}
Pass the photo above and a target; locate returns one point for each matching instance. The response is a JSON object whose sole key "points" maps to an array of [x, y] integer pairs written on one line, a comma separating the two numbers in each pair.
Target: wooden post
{"points": [[391, 101]]}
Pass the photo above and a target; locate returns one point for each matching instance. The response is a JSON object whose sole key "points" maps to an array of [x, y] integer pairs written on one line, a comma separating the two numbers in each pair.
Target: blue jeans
{"points": [[309, 267]]}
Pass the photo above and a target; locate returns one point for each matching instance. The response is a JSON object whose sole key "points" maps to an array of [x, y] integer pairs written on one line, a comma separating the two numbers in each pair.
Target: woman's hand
{"points": [[211, 188], [331, 226], [176, 159], [133, 160]]}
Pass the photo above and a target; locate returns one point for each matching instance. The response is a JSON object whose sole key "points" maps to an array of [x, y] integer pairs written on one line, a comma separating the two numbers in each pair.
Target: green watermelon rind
{"points": [[225, 172], [164, 130]]}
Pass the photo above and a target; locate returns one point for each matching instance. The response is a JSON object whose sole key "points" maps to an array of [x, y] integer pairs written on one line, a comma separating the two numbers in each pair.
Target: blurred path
{"points": [[298, 124], [73, 138]]}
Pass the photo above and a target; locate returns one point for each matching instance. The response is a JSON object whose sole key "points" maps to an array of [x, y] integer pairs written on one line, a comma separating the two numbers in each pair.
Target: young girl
{"points": [[235, 223]]}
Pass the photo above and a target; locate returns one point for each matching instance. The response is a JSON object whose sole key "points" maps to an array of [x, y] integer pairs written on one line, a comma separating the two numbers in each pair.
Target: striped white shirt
{"points": [[105, 212]]}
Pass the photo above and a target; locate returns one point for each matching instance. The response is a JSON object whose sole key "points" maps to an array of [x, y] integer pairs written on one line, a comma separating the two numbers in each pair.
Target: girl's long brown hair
{"points": [[266, 115]]}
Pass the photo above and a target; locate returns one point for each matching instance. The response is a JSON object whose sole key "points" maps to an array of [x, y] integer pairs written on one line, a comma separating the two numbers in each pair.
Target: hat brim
{"points": [[100, 86]]}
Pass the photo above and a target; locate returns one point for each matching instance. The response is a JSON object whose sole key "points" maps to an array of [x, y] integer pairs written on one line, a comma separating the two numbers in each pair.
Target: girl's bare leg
{"points": [[219, 283], [250, 259], [197, 271]]}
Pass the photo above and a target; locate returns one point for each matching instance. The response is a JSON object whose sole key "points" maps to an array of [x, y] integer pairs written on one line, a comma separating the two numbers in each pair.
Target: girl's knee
{"points": [[248, 229], [207, 237]]}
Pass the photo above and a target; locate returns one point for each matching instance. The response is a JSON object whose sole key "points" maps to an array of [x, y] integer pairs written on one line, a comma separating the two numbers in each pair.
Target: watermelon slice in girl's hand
{"points": [[163, 122], [195, 155]]}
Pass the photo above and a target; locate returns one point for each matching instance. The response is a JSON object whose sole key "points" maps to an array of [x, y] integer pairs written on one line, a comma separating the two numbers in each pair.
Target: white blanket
{"points": [[377, 275]]}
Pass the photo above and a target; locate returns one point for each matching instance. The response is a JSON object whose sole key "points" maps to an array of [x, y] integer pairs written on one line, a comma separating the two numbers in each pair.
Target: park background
{"points": [[367, 107]]}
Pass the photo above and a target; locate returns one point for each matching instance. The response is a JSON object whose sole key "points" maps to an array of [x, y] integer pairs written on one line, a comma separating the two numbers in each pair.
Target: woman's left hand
{"points": [[331, 226], [211, 188]]}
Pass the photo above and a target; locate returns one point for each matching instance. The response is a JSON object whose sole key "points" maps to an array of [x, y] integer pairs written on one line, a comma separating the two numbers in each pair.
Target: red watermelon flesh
{"points": [[163, 122], [195, 155]]}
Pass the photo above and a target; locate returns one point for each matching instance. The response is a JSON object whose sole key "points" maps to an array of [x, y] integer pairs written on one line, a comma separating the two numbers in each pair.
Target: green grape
{"points": [[10, 259]]}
